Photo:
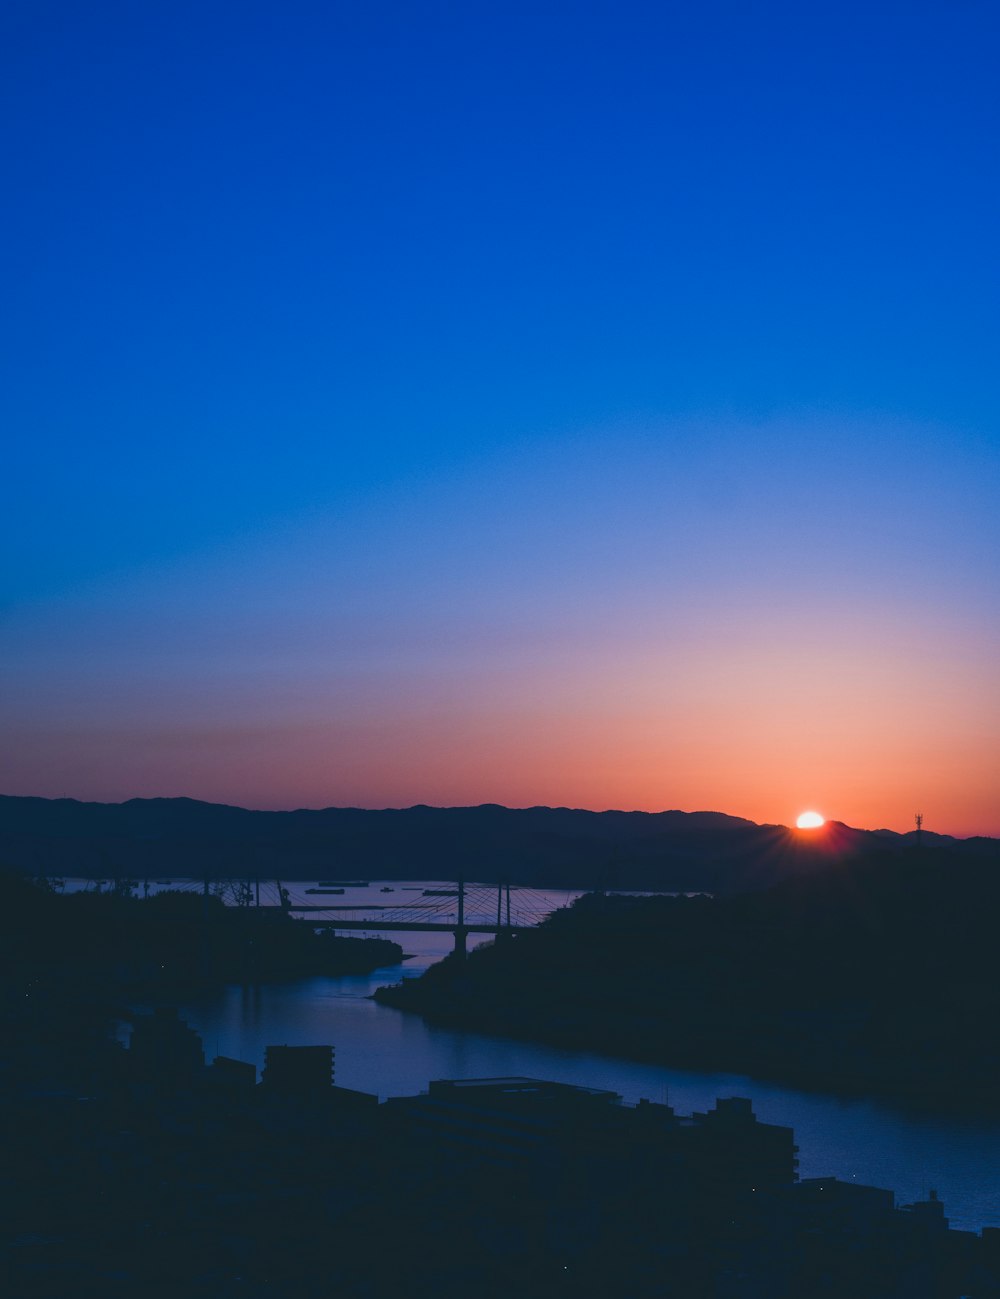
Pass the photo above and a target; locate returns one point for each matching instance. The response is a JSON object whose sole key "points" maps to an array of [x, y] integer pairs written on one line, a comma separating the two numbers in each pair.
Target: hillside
{"points": [[873, 976]]}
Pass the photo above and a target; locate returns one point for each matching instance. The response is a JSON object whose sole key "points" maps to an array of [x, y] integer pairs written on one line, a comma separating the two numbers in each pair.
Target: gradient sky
{"points": [[588, 404]]}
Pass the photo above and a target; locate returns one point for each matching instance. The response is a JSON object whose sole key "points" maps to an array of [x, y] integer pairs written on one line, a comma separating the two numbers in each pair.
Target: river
{"points": [[391, 1053]]}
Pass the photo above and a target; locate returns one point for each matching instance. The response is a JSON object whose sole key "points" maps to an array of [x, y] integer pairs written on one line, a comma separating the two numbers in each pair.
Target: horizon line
{"points": [[466, 807]]}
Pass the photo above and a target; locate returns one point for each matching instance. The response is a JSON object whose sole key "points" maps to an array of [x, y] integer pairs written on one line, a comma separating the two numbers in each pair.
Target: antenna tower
{"points": [[919, 819]]}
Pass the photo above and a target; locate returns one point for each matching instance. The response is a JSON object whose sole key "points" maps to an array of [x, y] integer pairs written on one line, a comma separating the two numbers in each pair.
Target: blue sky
{"points": [[459, 325]]}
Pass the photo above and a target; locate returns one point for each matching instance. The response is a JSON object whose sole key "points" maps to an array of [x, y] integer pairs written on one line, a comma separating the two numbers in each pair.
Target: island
{"points": [[872, 977]]}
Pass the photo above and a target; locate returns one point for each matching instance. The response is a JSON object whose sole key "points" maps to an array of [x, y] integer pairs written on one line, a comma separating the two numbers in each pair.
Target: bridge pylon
{"points": [[461, 933]]}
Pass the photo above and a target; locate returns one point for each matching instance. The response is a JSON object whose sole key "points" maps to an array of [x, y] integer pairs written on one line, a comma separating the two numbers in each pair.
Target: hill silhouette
{"points": [[559, 846], [872, 975]]}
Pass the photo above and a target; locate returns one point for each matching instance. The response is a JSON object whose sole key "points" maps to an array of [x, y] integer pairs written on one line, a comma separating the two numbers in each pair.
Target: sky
{"points": [[571, 404]]}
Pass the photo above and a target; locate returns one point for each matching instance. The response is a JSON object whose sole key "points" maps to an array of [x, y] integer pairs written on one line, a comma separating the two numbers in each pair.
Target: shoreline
{"points": [[897, 1093]]}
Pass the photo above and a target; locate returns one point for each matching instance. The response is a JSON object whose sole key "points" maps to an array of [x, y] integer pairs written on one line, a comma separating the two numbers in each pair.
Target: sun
{"points": [[810, 821]]}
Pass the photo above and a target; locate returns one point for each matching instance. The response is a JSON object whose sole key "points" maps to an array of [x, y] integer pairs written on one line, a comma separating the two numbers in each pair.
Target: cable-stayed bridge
{"points": [[464, 909], [458, 908]]}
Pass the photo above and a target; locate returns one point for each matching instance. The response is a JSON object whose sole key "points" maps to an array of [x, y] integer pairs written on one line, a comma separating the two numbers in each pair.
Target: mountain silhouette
{"points": [[555, 846]]}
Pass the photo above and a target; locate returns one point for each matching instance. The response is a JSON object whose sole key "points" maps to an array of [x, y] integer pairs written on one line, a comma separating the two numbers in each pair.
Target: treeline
{"points": [[875, 976], [170, 941]]}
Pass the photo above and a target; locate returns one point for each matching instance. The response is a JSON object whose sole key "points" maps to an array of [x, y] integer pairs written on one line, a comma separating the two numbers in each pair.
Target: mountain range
{"points": [[554, 846]]}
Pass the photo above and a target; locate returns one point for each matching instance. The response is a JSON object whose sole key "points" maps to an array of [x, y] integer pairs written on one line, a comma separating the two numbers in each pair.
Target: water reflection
{"points": [[390, 1053]]}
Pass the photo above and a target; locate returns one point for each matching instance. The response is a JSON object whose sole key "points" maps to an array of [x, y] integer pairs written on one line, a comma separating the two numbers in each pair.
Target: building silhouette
{"points": [[164, 1051], [304, 1070]]}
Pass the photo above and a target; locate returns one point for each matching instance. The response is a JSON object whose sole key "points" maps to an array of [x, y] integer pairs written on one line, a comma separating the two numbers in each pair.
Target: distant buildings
{"points": [[585, 1133], [506, 1178]]}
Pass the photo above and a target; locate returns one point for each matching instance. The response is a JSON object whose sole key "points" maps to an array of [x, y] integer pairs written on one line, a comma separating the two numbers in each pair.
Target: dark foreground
{"points": [[162, 1178], [140, 1171]]}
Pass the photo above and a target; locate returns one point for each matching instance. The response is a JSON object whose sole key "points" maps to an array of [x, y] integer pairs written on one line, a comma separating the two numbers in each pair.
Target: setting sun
{"points": [[810, 821]]}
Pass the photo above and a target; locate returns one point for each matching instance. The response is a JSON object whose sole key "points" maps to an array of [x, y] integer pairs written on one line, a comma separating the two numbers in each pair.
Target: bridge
{"points": [[461, 910], [464, 910]]}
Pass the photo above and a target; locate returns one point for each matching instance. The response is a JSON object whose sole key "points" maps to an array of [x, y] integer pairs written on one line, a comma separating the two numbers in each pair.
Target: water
{"points": [[390, 1053]]}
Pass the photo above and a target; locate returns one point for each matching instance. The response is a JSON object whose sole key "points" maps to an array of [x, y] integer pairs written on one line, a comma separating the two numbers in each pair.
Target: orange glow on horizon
{"points": [[674, 721]]}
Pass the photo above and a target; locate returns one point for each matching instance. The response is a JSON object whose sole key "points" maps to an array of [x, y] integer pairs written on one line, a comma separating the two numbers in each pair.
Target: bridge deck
{"points": [[415, 926]]}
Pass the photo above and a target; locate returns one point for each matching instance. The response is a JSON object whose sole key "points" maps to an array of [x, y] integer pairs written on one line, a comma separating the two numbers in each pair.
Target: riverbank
{"points": [[642, 1040]]}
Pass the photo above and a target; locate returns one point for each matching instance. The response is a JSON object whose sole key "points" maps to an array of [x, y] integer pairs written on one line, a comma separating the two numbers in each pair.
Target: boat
{"points": [[324, 890], [387, 889]]}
